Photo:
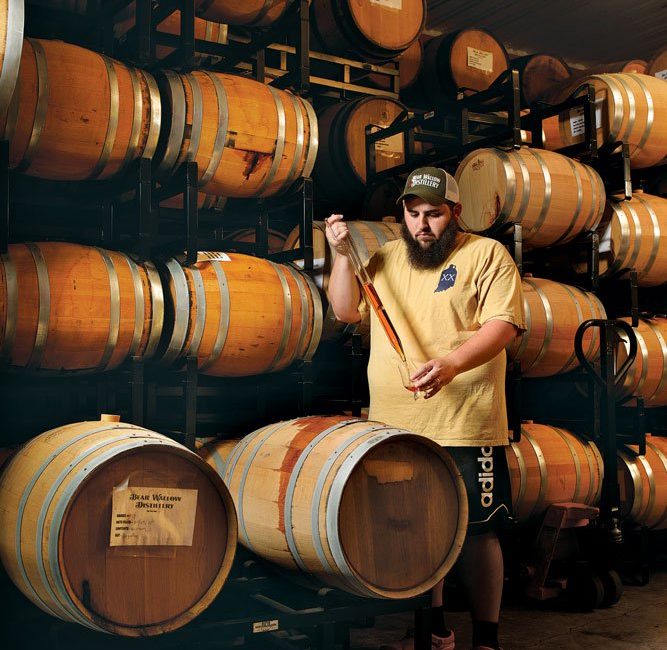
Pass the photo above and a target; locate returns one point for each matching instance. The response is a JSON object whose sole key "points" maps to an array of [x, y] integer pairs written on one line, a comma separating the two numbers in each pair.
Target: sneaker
{"points": [[437, 643]]}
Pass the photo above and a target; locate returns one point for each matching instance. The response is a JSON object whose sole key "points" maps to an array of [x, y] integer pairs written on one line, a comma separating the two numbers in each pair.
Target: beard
{"points": [[434, 255]]}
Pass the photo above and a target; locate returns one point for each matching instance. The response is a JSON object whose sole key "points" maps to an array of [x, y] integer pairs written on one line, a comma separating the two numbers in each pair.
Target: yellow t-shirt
{"points": [[434, 312]]}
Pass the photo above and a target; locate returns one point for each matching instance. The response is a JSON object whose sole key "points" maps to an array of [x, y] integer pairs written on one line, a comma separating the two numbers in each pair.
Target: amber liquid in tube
{"points": [[385, 321]]}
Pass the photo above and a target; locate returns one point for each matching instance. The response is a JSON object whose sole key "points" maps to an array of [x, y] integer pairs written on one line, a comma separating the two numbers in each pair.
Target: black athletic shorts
{"points": [[487, 480]]}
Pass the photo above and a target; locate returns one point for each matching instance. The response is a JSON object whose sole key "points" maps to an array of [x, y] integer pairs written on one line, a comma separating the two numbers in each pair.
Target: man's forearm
{"points": [[343, 291], [483, 346]]}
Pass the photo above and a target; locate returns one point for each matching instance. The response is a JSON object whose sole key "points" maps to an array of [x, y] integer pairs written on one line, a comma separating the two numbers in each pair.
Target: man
{"points": [[455, 301]]}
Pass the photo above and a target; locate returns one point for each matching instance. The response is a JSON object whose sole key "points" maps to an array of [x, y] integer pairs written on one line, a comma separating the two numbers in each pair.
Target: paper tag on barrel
{"points": [[480, 59], [662, 74], [391, 146], [390, 4], [152, 516], [577, 121]]}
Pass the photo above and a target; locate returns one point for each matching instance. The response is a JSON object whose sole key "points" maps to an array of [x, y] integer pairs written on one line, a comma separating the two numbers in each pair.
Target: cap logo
{"points": [[426, 179]]}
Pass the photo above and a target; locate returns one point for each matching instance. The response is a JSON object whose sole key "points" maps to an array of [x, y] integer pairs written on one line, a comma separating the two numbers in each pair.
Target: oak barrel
{"points": [[240, 315], [78, 115], [554, 311], [643, 483], [342, 499], [71, 541], [247, 138], [371, 31], [12, 14], [340, 172], [276, 239], [67, 307], [467, 61], [409, 67], [657, 66], [553, 197], [647, 376], [249, 13], [630, 108], [551, 465], [539, 73], [634, 236], [368, 236]]}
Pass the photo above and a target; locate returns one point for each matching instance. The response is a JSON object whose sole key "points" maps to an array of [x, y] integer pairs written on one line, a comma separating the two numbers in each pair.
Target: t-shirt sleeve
{"points": [[500, 295]]}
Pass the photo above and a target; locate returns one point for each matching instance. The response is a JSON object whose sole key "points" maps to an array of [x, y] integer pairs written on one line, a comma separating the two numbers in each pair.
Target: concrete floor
{"points": [[638, 620]]}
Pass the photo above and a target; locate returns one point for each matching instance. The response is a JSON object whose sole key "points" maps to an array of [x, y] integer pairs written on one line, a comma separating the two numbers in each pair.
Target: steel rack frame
{"points": [[452, 130]]}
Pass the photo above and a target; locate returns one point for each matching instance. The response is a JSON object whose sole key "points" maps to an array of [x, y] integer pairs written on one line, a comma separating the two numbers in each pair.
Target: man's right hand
{"points": [[337, 233]]}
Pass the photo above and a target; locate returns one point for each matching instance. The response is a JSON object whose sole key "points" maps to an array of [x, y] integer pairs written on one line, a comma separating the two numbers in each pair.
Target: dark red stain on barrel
{"points": [[306, 430]]}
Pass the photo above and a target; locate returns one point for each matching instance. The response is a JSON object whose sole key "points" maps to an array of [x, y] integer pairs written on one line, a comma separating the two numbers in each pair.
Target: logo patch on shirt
{"points": [[447, 279]]}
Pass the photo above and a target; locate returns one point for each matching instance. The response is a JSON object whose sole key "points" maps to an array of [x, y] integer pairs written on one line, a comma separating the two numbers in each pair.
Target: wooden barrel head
{"points": [[142, 585], [540, 72], [392, 536]]}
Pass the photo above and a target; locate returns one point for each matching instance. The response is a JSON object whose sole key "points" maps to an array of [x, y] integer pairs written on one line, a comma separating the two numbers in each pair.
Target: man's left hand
{"points": [[434, 375]]}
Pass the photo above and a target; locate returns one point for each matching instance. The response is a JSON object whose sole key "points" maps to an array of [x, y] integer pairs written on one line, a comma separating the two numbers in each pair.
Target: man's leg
{"points": [[480, 570]]}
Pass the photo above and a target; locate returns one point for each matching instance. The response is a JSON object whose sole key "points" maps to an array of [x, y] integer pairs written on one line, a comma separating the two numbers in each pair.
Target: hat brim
{"points": [[422, 193]]}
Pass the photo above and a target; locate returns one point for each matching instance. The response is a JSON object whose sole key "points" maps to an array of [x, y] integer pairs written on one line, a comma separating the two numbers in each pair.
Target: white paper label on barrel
{"points": [[391, 146], [152, 516], [577, 121], [265, 626], [480, 59], [662, 74], [390, 4], [605, 240]]}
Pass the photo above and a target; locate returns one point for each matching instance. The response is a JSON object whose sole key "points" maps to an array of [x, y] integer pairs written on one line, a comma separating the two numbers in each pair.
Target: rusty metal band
{"points": [[155, 115], [380, 237], [223, 325], [577, 211], [638, 488], [137, 115], [510, 195], [546, 203], [650, 111], [181, 311], [576, 497], [313, 138], [157, 309], [619, 259], [298, 148], [541, 463], [662, 385], [656, 236], [223, 124], [42, 106], [114, 309], [222, 34], [13, 112], [525, 194], [651, 488], [171, 155], [13, 46], [280, 143], [112, 124], [12, 305], [572, 361], [139, 302], [663, 459], [44, 310], [301, 342], [318, 318], [200, 318], [358, 240], [549, 318], [287, 318], [525, 337], [197, 117], [208, 33], [523, 480]]}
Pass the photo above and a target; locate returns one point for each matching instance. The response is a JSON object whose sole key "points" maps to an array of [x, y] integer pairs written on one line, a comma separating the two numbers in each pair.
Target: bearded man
{"points": [[455, 301]]}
